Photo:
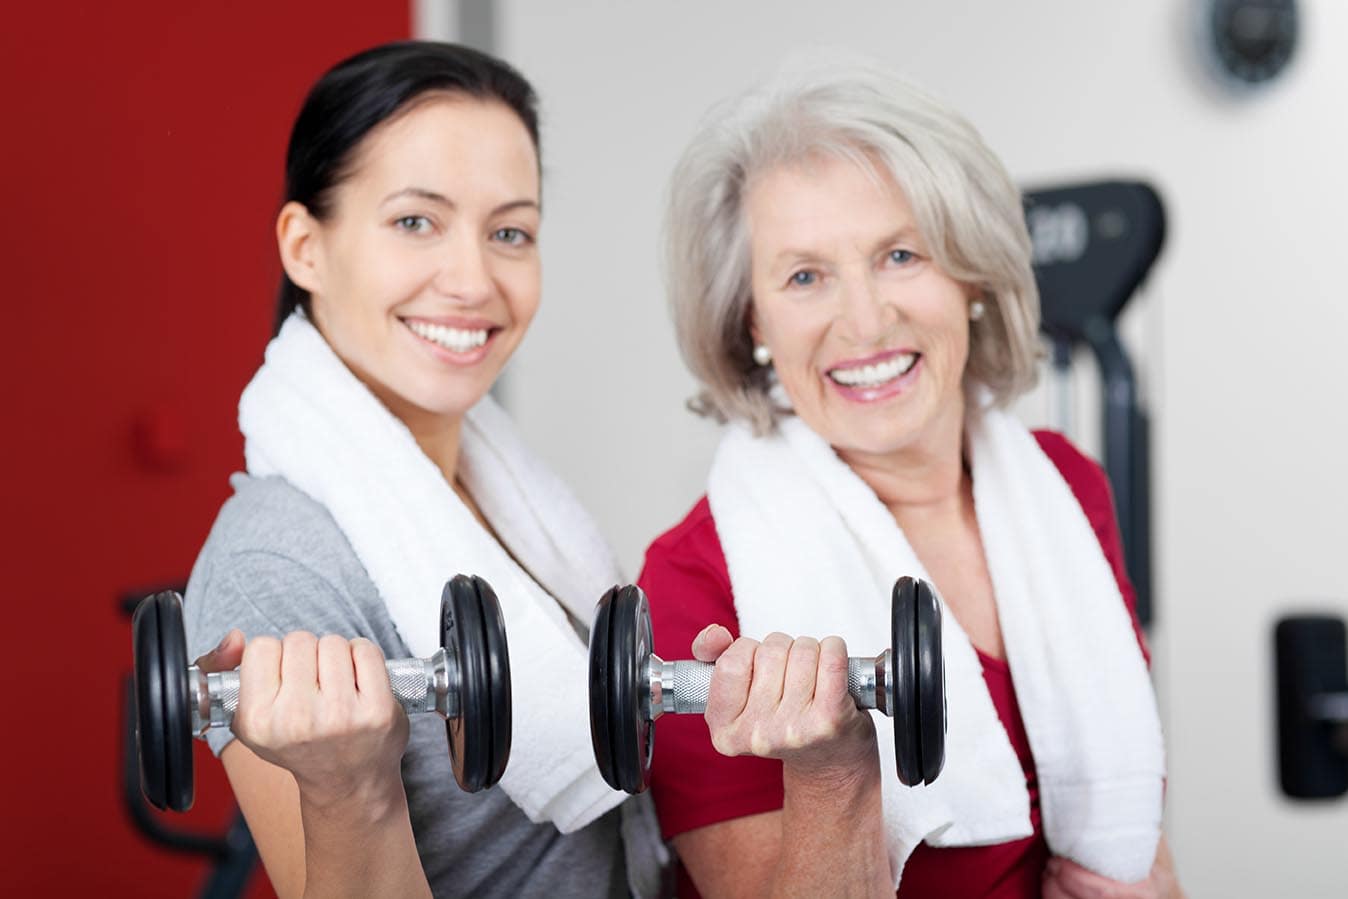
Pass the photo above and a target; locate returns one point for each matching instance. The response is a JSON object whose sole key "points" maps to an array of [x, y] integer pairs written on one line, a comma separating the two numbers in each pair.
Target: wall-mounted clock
{"points": [[1248, 42]]}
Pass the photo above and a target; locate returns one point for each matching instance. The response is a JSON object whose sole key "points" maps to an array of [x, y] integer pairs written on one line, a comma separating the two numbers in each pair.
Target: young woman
{"points": [[378, 467]]}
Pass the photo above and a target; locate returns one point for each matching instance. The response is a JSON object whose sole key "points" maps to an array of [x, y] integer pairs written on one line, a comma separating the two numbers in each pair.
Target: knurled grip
{"points": [[692, 683], [685, 684], [418, 685]]}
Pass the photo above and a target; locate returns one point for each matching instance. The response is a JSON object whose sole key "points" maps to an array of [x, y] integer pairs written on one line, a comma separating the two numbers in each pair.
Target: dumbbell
{"points": [[630, 686], [466, 681]]}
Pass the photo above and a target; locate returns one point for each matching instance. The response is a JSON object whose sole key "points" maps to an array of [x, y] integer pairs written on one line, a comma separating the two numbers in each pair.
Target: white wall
{"points": [[1240, 336]]}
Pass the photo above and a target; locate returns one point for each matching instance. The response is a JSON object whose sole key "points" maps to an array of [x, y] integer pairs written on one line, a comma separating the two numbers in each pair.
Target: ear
{"points": [[751, 320], [297, 241]]}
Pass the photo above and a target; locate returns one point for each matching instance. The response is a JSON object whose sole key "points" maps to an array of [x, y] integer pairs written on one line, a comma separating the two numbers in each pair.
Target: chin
{"points": [[876, 441], [443, 400]]}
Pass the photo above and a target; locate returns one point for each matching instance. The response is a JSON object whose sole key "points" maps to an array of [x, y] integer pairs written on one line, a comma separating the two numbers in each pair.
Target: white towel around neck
{"points": [[811, 550], [308, 419]]}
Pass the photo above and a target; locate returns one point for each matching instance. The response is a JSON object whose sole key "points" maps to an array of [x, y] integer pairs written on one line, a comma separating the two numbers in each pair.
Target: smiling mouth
{"points": [[455, 340], [875, 374]]}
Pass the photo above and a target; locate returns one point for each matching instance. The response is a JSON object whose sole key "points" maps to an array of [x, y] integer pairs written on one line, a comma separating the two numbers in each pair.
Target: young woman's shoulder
{"points": [[276, 561], [272, 515]]}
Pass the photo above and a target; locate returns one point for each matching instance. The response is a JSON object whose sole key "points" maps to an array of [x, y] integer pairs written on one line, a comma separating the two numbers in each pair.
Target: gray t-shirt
{"points": [[276, 562]]}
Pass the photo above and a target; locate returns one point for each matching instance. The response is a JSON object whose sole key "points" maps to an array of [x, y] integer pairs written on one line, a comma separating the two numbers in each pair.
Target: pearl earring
{"points": [[762, 355], [976, 310]]}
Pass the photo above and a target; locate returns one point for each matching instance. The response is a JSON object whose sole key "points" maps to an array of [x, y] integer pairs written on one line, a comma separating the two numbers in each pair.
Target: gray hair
{"points": [[966, 205]]}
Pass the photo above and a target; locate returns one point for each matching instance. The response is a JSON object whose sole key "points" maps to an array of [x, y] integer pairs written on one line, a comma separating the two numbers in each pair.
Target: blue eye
{"points": [[902, 257], [413, 224], [803, 278], [516, 237]]}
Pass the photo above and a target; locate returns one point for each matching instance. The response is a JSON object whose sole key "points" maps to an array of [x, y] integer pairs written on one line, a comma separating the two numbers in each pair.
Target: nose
{"points": [[863, 312], [465, 271]]}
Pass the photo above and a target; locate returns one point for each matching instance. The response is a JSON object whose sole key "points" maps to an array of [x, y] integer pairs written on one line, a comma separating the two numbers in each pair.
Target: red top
{"points": [[693, 785]]}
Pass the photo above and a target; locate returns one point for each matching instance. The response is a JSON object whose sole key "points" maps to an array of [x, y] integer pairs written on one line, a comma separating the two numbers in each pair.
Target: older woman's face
{"points": [[869, 336]]}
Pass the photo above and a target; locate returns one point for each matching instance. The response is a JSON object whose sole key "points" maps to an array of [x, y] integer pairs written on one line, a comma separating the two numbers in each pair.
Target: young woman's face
{"points": [[869, 336], [426, 273]]}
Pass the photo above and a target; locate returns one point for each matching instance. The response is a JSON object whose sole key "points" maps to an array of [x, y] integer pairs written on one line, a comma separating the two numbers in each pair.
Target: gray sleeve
{"points": [[277, 562], [261, 593]]}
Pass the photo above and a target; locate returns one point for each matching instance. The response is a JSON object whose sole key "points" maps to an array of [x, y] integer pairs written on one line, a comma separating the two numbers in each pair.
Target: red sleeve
{"points": [[1091, 487], [686, 581]]}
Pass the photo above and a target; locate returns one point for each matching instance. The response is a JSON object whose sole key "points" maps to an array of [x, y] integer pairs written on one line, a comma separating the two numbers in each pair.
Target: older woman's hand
{"points": [[786, 699], [323, 710], [1065, 879]]}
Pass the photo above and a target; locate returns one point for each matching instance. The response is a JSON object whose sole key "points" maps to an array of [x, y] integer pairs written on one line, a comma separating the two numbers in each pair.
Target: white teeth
{"points": [[452, 339], [874, 375]]}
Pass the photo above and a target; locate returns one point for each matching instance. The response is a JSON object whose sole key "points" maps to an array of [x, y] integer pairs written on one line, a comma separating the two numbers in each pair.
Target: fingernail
{"points": [[221, 644]]}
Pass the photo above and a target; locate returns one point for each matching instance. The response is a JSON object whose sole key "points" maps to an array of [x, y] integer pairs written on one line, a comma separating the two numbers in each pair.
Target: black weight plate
{"points": [[149, 691], [462, 636], [903, 659], [601, 671], [930, 681], [177, 702], [498, 674], [632, 732]]}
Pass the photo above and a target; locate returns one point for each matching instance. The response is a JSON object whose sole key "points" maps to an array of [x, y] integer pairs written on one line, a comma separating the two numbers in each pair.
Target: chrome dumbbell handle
{"points": [[419, 685], [681, 687]]}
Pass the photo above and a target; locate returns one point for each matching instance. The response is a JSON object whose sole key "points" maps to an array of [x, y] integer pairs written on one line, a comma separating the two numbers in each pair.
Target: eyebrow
{"points": [[439, 198]]}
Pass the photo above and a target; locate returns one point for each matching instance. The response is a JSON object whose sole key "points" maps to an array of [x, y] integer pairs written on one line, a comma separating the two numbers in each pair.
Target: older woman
{"points": [[850, 279]]}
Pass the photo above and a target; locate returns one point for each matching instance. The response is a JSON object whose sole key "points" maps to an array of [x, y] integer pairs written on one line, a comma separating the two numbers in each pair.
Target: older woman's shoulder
{"points": [[688, 552], [1082, 473], [691, 546], [696, 529], [688, 583]]}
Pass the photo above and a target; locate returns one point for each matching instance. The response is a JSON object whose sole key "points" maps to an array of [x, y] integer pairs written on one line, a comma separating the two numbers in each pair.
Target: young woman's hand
{"points": [[224, 657], [320, 708], [786, 698]]}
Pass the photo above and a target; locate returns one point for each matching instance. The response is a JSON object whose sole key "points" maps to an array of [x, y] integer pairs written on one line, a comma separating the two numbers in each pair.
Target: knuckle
{"points": [[732, 665], [827, 730], [743, 646], [773, 651], [833, 664], [806, 645], [264, 645], [293, 730], [331, 642], [760, 742], [296, 641], [382, 716], [721, 742], [366, 650], [833, 645]]}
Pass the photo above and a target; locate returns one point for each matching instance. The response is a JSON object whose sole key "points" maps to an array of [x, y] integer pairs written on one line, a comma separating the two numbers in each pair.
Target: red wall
{"points": [[142, 155]]}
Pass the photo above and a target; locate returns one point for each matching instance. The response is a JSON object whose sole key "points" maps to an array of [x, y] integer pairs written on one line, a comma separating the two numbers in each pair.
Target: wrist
{"points": [[364, 801], [841, 777], [841, 763]]}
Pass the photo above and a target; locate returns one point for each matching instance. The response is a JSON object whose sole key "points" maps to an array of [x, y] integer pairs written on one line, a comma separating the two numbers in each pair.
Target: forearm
{"points": [[833, 836], [360, 846]]}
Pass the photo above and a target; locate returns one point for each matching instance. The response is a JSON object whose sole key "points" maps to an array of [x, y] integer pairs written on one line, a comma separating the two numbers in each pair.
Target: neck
{"points": [[438, 436], [925, 475]]}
